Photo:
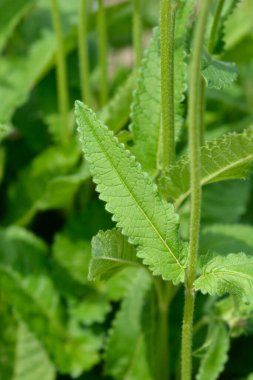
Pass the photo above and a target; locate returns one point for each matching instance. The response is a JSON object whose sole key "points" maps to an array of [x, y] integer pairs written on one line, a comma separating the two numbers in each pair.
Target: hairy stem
{"points": [[102, 51], [62, 84], [195, 174], [168, 12], [83, 52], [137, 33]]}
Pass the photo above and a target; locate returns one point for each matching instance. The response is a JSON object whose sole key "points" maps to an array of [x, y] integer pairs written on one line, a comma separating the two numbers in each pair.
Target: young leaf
{"points": [[228, 274], [218, 74], [132, 198], [228, 157], [110, 253], [216, 355], [125, 352]]}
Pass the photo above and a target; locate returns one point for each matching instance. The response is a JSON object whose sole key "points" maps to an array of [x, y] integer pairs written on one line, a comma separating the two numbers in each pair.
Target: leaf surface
{"points": [[231, 274], [218, 74], [132, 198]]}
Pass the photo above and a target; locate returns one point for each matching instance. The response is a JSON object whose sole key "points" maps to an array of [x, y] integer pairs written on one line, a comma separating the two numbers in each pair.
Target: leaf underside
{"points": [[110, 253], [132, 198]]}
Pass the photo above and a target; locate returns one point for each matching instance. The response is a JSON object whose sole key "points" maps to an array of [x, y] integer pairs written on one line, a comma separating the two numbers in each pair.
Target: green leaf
{"points": [[116, 113], [45, 184], [225, 238], [10, 15], [216, 355], [231, 274], [110, 253], [26, 283], [132, 198], [228, 157], [31, 359], [125, 352], [218, 74]]}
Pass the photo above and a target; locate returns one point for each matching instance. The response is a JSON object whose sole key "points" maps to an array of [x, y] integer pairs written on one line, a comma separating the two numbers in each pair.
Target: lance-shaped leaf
{"points": [[125, 352], [110, 253], [132, 198], [212, 363], [228, 157], [218, 74], [228, 274]]}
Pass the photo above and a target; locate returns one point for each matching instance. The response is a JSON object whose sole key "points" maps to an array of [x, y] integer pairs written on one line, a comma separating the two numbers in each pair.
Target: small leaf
{"points": [[231, 274], [110, 253], [229, 157], [216, 355], [125, 352], [132, 198], [218, 74]]}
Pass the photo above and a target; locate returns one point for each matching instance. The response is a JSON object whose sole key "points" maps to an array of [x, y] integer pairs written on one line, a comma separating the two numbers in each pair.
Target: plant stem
{"points": [[213, 34], [62, 84], [168, 13], [102, 51], [137, 33], [83, 52], [195, 174]]}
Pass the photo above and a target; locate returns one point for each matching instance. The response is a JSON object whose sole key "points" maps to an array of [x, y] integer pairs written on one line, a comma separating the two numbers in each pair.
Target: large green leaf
{"points": [[132, 198], [228, 274], [110, 253], [212, 363], [26, 283], [228, 157], [125, 352]]}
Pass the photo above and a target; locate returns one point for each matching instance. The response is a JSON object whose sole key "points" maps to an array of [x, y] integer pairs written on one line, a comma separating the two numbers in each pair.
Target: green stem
{"points": [[215, 25], [168, 13], [202, 110], [137, 33], [102, 51], [62, 84], [83, 52], [195, 174]]}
